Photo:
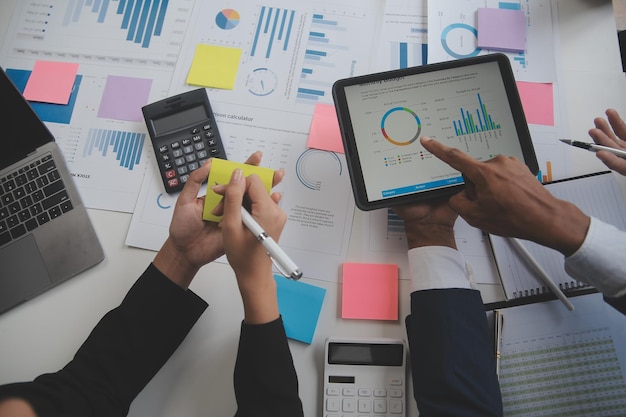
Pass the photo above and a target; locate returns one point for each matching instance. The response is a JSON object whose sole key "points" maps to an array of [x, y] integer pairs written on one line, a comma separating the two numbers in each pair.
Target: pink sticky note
{"points": [[501, 29], [538, 102], [369, 291], [324, 133], [51, 82]]}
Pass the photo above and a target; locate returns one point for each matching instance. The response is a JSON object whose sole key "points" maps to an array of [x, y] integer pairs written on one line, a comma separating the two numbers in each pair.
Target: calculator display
{"points": [[365, 354], [174, 121]]}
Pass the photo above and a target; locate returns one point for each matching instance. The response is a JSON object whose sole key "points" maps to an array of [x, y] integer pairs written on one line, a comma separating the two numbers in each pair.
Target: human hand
{"points": [[193, 242], [429, 223], [247, 257], [613, 135], [503, 197]]}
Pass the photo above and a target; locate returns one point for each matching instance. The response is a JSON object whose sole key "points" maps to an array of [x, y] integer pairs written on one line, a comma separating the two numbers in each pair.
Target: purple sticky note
{"points": [[501, 29], [124, 97]]}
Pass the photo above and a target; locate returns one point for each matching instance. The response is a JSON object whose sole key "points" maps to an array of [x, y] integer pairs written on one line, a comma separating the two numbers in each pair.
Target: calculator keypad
{"points": [[340, 401], [186, 152]]}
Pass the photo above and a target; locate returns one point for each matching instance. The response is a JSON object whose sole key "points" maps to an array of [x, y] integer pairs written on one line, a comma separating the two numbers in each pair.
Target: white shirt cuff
{"points": [[599, 260], [438, 267]]}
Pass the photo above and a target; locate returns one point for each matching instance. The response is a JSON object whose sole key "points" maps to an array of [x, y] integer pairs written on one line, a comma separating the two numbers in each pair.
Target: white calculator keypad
{"points": [[359, 401]]}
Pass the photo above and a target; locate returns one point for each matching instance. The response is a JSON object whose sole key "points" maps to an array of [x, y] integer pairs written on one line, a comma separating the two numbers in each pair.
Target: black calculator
{"points": [[184, 135]]}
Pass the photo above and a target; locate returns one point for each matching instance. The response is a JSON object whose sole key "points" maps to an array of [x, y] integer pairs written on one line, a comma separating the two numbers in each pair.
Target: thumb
{"points": [[461, 203], [233, 198]]}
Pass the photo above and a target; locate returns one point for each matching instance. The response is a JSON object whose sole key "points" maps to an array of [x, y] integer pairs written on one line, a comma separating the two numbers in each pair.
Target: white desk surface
{"points": [[43, 334]]}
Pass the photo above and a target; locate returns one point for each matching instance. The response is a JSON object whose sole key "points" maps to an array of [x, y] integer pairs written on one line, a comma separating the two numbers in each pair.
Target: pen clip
{"points": [[284, 273]]}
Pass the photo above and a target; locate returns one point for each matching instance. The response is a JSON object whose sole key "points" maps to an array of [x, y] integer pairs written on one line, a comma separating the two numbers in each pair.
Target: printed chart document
{"points": [[596, 195], [556, 362], [290, 55], [101, 130]]}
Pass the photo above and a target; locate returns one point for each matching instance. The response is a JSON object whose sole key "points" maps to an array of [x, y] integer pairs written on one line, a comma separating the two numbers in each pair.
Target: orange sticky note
{"points": [[538, 102], [325, 133], [369, 291], [51, 82]]}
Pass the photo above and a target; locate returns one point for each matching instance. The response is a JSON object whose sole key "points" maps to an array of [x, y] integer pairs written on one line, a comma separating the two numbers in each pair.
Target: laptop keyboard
{"points": [[31, 197]]}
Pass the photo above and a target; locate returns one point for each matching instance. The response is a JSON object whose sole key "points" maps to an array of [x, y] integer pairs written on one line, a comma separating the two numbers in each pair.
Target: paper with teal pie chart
{"points": [[401, 126], [227, 19], [462, 28]]}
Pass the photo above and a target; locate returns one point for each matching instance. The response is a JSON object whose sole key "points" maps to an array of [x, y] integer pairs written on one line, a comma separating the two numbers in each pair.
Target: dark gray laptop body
{"points": [[46, 236]]}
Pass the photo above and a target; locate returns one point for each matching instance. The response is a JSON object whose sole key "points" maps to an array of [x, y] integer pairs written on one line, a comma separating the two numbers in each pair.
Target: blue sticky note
{"points": [[300, 305]]}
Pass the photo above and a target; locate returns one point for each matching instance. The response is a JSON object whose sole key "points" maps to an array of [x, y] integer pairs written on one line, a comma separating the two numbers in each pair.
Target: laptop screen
{"points": [[22, 130]]}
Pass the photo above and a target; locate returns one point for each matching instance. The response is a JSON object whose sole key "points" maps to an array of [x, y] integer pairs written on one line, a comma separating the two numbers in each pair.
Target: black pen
{"points": [[592, 147]]}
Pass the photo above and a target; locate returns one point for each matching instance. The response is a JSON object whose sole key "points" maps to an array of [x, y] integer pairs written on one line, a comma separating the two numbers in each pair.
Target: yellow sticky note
{"points": [[214, 66], [220, 173]]}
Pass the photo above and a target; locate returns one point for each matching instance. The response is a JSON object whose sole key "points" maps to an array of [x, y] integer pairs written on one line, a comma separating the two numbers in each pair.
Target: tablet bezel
{"points": [[349, 140]]}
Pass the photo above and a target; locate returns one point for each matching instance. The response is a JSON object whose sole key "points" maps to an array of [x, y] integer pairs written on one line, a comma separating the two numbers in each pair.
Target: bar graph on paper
{"points": [[141, 20], [328, 54], [546, 175], [408, 54], [124, 147], [273, 33]]}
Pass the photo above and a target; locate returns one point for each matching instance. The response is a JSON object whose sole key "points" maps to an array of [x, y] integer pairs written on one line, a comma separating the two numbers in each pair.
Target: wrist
{"points": [[174, 265], [565, 230], [259, 297], [420, 235]]}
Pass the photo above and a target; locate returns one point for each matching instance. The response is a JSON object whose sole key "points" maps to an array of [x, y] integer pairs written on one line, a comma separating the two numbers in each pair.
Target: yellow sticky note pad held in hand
{"points": [[220, 173]]}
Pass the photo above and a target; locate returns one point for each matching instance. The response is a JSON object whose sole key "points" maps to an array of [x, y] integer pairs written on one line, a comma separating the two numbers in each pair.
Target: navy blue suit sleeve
{"points": [[452, 358], [121, 355], [265, 378], [617, 303]]}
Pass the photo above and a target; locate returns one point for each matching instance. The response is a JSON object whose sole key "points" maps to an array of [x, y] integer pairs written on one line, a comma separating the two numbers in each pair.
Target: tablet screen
{"points": [[466, 107]]}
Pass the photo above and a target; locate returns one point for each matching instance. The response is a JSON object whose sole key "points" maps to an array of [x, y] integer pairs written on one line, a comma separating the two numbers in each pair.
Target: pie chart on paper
{"points": [[227, 19]]}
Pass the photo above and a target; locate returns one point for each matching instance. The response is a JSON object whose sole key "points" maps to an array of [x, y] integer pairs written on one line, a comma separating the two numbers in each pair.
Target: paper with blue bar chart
{"points": [[453, 31], [101, 130], [403, 38], [453, 34], [291, 53]]}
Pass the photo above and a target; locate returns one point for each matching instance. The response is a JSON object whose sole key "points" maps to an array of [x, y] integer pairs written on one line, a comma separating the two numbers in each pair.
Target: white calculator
{"points": [[365, 377]]}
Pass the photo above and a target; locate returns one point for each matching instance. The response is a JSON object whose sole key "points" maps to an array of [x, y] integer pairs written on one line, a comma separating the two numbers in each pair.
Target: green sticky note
{"points": [[220, 173], [214, 66]]}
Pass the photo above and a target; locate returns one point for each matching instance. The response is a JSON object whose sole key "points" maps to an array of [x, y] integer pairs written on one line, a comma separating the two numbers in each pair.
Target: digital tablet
{"points": [[471, 104]]}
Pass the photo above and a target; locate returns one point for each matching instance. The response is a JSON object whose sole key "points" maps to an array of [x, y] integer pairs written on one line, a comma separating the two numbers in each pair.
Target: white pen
{"points": [[283, 262], [592, 147], [521, 249]]}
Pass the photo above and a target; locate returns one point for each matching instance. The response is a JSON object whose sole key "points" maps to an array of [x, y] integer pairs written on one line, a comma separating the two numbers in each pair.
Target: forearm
{"points": [[121, 355], [598, 261], [453, 366], [265, 378], [560, 225], [173, 264], [452, 358]]}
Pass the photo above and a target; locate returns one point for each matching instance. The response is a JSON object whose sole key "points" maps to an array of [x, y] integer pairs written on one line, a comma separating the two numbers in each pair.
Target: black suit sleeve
{"points": [[265, 379], [452, 359], [121, 355], [617, 303]]}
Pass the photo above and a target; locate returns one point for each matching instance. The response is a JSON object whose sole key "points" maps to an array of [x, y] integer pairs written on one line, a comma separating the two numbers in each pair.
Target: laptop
{"points": [[46, 236]]}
